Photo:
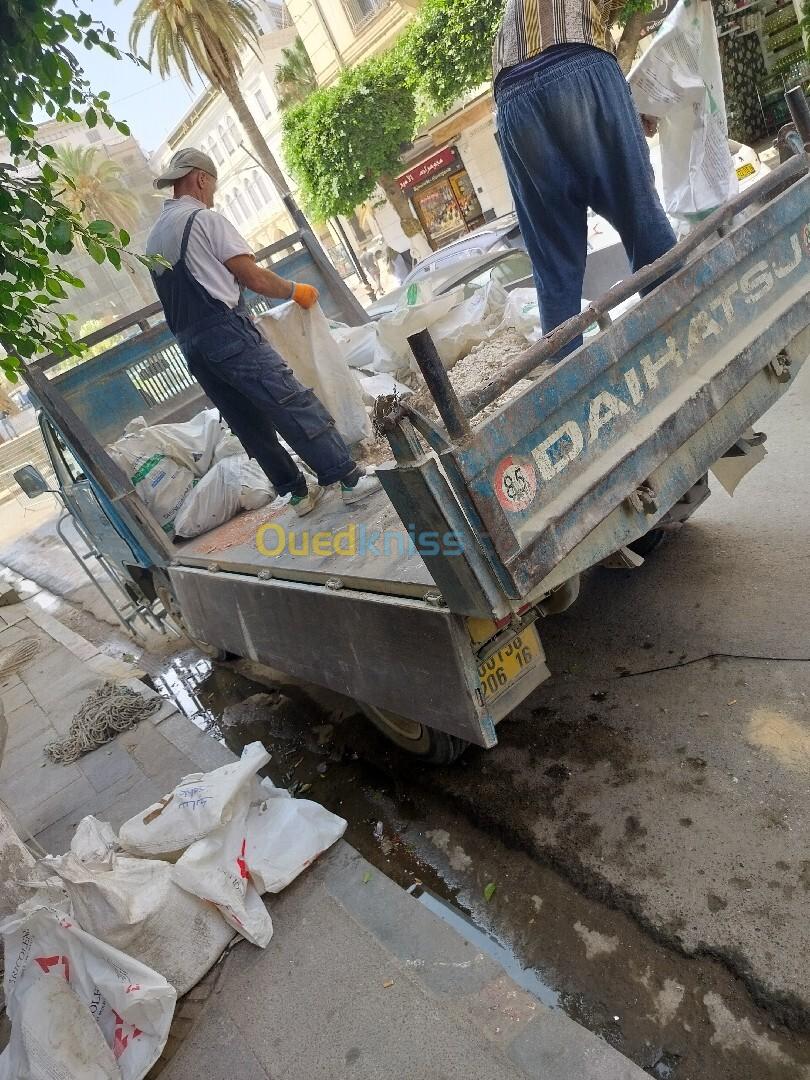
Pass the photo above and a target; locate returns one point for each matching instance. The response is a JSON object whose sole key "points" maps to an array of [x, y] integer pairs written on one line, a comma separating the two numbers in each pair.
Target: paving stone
{"points": [[29, 752], [48, 811], [202, 749], [26, 723], [218, 1053], [153, 754], [16, 696], [14, 613], [9, 680], [109, 765], [37, 783]]}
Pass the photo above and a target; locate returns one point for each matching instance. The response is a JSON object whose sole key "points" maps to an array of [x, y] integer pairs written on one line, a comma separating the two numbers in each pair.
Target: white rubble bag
{"points": [[469, 323], [286, 835], [362, 348], [419, 311], [54, 1037], [94, 842], [303, 339], [158, 480], [215, 868], [131, 1004], [191, 444], [374, 386], [522, 313], [135, 906], [679, 81], [235, 483], [199, 804]]}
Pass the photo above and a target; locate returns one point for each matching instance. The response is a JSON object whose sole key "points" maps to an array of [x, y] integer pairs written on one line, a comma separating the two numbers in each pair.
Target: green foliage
{"points": [[448, 48], [341, 140], [623, 11], [295, 76], [40, 73]]}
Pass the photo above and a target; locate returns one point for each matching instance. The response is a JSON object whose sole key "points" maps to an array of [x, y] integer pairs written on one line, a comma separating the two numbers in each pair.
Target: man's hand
{"points": [[306, 296], [650, 125]]}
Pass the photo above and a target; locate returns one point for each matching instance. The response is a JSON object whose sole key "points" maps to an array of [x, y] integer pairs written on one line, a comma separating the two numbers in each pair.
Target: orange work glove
{"points": [[305, 295]]}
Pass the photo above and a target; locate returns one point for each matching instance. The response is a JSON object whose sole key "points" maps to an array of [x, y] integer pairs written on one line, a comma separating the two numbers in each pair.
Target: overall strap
{"points": [[186, 231]]}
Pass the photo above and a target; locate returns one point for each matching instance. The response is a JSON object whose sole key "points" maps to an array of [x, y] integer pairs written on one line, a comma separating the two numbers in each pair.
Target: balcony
{"points": [[360, 12]]}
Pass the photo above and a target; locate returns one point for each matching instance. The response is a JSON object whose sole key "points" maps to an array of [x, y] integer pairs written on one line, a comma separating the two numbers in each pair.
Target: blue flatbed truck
{"points": [[590, 464]]}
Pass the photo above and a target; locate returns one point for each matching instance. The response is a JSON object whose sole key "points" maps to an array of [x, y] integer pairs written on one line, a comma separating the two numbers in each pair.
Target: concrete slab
{"points": [[202, 749], [218, 1054], [45, 812], [154, 755], [15, 696], [28, 752], [25, 723]]}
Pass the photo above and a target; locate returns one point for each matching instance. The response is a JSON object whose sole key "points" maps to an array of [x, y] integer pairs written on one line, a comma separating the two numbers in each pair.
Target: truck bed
{"points": [[378, 555]]}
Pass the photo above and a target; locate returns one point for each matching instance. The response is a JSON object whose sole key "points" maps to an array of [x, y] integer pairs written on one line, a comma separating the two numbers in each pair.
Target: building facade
{"points": [[453, 176], [108, 294]]}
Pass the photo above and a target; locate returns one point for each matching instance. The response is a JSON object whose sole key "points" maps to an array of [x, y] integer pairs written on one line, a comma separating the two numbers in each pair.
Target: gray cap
{"points": [[181, 165]]}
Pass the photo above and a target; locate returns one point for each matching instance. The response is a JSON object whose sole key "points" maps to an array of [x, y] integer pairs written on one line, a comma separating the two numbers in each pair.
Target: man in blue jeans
{"points": [[571, 138]]}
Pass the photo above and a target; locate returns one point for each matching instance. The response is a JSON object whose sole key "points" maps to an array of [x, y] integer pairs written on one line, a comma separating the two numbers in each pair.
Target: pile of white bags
{"points": [[302, 337], [92, 974], [193, 476]]}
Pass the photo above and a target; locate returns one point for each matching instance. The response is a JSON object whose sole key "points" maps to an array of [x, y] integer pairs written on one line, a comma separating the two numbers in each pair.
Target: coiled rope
{"points": [[108, 711]]}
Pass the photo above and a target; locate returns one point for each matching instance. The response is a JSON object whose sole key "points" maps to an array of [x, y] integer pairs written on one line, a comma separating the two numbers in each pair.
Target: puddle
{"points": [[677, 1018], [527, 978]]}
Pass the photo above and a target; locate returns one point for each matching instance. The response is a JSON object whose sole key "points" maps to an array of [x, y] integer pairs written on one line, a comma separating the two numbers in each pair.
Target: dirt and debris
{"points": [[477, 369]]}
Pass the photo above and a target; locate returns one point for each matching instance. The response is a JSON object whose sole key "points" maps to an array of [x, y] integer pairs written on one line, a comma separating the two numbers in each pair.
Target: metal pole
{"points": [[439, 384], [800, 112]]}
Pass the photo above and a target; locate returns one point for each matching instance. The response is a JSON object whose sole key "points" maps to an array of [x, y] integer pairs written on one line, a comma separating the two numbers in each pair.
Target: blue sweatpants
{"points": [[571, 138]]}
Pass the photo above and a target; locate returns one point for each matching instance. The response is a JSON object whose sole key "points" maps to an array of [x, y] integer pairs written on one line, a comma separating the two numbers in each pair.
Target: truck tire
{"points": [[426, 743], [646, 544]]}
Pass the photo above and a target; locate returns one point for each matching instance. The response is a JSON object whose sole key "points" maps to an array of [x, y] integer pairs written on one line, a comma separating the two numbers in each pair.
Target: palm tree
{"points": [[295, 76], [209, 36], [96, 190]]}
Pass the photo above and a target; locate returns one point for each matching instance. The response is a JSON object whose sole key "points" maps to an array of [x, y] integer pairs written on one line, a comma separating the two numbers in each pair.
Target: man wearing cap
{"points": [[242, 374]]}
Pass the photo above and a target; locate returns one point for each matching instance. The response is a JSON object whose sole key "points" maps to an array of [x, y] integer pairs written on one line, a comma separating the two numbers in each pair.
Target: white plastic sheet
{"points": [[468, 323], [679, 81], [131, 1004], [421, 314], [235, 483], [303, 339]]}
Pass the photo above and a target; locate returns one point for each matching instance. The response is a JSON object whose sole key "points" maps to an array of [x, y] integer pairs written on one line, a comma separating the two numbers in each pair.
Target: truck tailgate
{"points": [[603, 445]]}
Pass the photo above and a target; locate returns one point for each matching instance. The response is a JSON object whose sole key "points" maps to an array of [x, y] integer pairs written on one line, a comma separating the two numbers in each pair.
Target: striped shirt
{"points": [[531, 26]]}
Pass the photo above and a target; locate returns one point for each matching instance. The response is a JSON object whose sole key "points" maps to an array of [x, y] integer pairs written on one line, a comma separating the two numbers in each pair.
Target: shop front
{"points": [[443, 196]]}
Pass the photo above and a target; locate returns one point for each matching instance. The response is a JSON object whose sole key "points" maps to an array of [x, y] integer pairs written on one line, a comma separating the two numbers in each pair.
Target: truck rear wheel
{"points": [[428, 744]]}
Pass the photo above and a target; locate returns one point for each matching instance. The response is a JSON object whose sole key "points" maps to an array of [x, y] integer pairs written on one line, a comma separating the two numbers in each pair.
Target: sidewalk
{"points": [[360, 979]]}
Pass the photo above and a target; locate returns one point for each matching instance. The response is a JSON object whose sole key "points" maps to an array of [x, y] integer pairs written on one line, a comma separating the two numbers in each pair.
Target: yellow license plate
{"points": [[745, 170], [510, 663]]}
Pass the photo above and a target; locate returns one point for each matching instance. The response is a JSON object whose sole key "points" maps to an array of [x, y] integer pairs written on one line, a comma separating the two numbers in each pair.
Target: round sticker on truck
{"points": [[515, 483]]}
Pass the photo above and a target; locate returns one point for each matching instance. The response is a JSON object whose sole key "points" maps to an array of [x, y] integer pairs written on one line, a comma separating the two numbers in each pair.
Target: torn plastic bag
{"points": [[199, 804], [468, 323], [303, 339], [374, 386], [94, 842], [410, 317], [131, 1004]]}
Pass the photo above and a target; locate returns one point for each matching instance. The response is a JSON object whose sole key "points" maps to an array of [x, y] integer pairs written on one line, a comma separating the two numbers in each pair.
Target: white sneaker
{"points": [[305, 504], [365, 486]]}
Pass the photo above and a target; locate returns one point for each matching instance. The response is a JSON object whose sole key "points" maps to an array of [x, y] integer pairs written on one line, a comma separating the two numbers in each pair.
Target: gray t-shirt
{"points": [[211, 241]]}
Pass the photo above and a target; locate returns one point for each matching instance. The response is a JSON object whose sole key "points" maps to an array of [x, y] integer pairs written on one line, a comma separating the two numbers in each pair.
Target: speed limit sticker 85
{"points": [[515, 483]]}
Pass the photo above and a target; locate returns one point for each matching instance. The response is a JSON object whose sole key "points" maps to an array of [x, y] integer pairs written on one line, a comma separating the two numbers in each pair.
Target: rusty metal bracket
{"points": [[780, 367], [644, 499]]}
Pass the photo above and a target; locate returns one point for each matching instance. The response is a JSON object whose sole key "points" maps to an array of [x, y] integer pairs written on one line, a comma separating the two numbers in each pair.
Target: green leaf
{"points": [[31, 210], [489, 891], [61, 232], [367, 877], [101, 227], [55, 289], [114, 256], [122, 127], [124, 237], [90, 118], [95, 250]]}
